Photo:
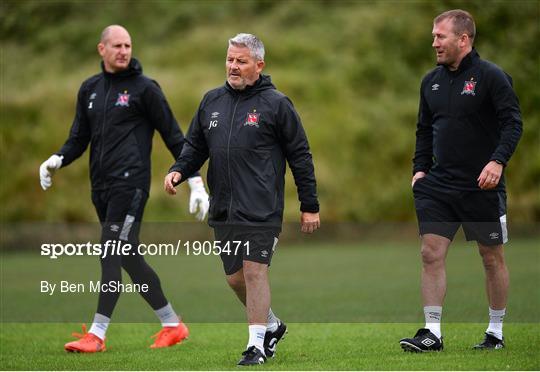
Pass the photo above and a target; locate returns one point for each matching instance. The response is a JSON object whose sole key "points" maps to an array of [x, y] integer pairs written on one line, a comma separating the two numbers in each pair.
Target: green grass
{"points": [[332, 283], [347, 306], [331, 346]]}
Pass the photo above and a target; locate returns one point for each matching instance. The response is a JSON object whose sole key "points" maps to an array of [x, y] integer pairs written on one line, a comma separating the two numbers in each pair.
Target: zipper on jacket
{"points": [[450, 91], [229, 158], [103, 134]]}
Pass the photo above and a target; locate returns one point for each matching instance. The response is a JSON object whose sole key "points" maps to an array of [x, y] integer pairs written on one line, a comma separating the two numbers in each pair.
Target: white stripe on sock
{"points": [[167, 316], [433, 316], [100, 325], [272, 321], [495, 326], [256, 336]]}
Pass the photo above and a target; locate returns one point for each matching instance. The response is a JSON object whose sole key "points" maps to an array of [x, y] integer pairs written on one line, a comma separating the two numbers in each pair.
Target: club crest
{"points": [[123, 99], [469, 87], [252, 119]]}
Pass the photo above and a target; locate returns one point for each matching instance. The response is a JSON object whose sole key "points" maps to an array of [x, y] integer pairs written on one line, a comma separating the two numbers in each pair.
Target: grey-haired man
{"points": [[249, 130]]}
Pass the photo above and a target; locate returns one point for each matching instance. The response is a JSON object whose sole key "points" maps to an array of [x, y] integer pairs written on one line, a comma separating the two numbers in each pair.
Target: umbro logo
{"points": [[494, 235], [435, 87], [115, 228], [215, 114], [427, 342], [264, 253]]}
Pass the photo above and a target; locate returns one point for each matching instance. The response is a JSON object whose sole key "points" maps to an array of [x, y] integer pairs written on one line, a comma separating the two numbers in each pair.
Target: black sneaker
{"points": [[422, 341], [252, 356], [271, 339], [490, 343]]}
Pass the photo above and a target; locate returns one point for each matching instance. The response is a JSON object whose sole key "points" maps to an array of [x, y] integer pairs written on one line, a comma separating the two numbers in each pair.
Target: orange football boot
{"points": [[169, 336], [87, 343]]}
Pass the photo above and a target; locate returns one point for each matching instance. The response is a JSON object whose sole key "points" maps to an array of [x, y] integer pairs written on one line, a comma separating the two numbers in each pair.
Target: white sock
{"points": [[256, 336], [100, 325], [433, 319], [167, 316], [496, 322], [273, 321]]}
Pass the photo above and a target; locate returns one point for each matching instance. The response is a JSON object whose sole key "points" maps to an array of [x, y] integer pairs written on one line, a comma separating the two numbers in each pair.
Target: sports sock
{"points": [[256, 336], [167, 316], [433, 319], [273, 321], [496, 322], [100, 325]]}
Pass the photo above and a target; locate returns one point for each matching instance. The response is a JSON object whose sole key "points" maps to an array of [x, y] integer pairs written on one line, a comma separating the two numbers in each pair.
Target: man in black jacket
{"points": [[469, 124], [249, 130], [117, 113]]}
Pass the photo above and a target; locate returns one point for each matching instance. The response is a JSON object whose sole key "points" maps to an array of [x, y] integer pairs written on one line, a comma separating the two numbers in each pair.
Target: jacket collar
{"points": [[134, 68], [264, 82], [465, 63]]}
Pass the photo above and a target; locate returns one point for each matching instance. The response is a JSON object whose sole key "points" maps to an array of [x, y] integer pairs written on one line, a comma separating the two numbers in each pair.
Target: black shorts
{"points": [[441, 211], [120, 211], [245, 243]]}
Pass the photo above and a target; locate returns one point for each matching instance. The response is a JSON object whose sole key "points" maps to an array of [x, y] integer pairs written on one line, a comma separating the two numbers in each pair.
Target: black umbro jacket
{"points": [[466, 118], [248, 136], [117, 114]]}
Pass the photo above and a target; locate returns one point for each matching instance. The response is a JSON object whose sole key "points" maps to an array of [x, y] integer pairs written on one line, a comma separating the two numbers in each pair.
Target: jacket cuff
{"points": [[420, 168], [177, 169], [64, 160], [310, 208], [499, 160]]}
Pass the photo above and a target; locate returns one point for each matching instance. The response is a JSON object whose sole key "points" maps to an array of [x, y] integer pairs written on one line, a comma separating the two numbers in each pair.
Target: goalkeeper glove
{"points": [[198, 198], [46, 170]]}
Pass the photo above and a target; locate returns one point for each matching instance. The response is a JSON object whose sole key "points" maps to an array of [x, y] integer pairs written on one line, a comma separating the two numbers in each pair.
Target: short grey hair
{"points": [[252, 42]]}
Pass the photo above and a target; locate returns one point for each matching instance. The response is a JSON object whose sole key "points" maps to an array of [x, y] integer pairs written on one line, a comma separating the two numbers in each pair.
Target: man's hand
{"points": [[46, 170], [198, 198], [310, 222], [490, 176], [417, 176], [171, 180]]}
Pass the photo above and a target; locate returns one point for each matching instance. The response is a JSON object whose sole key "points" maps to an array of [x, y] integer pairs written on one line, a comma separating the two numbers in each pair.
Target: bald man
{"points": [[117, 112]]}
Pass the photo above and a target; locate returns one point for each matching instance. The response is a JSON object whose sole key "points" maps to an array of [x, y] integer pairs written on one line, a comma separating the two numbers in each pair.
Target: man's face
{"points": [[116, 50], [242, 68], [446, 43]]}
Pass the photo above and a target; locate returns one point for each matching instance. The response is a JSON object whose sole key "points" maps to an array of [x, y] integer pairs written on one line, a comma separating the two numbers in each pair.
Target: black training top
{"points": [[248, 135], [466, 118], [117, 114]]}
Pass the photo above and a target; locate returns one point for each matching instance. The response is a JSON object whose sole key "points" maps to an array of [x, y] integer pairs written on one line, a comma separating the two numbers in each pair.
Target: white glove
{"points": [[46, 170], [198, 198]]}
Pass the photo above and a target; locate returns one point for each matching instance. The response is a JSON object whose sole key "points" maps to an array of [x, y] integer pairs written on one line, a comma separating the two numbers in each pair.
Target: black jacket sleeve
{"points": [[423, 156], [506, 106], [296, 147], [195, 150], [79, 134], [162, 119]]}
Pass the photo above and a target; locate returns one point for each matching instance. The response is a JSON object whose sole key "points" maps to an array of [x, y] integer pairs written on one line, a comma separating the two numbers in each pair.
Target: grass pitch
{"points": [[347, 306], [356, 346]]}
